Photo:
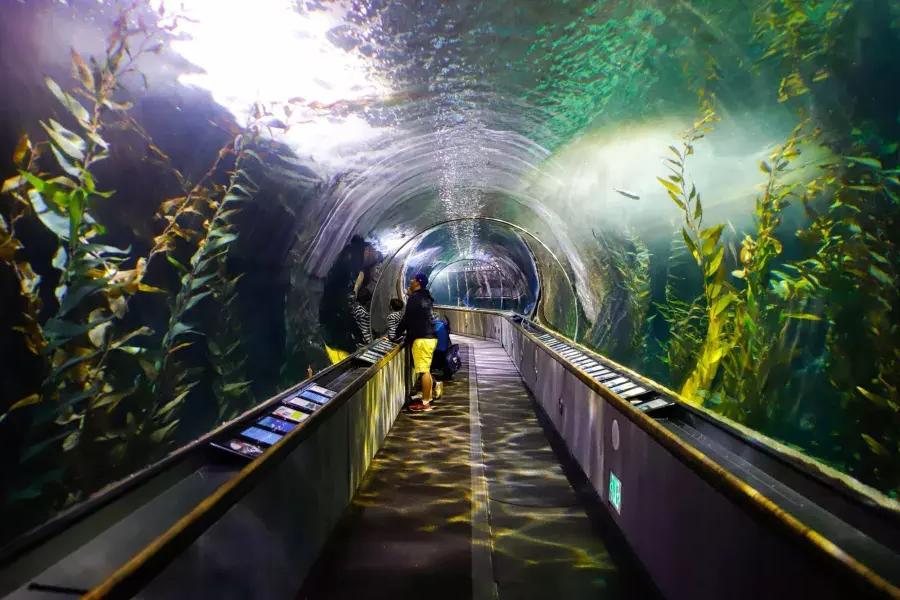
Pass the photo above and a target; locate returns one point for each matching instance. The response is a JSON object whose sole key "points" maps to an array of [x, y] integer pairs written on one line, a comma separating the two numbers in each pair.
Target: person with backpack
{"points": [[416, 323], [446, 359]]}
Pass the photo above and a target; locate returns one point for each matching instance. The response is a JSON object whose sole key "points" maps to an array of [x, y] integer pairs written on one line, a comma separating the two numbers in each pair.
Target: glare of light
{"points": [[590, 174], [328, 140], [424, 256], [266, 51], [389, 242]]}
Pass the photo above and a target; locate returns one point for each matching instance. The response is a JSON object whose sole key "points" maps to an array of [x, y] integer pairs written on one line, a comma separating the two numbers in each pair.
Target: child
{"points": [[359, 305], [394, 317]]}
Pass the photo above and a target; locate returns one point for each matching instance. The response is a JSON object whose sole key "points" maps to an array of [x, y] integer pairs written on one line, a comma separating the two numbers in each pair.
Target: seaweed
{"points": [[799, 35], [625, 275], [686, 320], [112, 392], [225, 349], [761, 326], [86, 330], [854, 271], [203, 275], [852, 209], [764, 321], [708, 252]]}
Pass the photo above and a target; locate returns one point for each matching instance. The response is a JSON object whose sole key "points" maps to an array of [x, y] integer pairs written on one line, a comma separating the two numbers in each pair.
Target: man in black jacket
{"points": [[420, 336]]}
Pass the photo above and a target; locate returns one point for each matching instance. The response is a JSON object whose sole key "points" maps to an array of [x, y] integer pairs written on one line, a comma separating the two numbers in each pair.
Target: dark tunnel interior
{"points": [[705, 191]]}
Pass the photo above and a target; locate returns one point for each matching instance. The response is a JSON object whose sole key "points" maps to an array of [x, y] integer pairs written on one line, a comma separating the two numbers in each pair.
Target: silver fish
{"points": [[627, 194]]}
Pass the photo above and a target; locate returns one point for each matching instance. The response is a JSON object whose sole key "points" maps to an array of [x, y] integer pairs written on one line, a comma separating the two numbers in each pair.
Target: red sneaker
{"points": [[419, 406]]}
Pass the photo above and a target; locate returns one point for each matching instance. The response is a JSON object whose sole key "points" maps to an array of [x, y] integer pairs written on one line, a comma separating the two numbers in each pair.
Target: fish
{"points": [[627, 194], [273, 122]]}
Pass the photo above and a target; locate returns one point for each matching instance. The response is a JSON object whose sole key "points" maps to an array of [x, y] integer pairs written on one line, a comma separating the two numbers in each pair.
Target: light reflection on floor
{"points": [[409, 531], [544, 544]]}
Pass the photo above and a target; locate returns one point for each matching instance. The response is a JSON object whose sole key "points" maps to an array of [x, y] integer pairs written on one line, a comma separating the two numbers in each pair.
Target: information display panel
{"points": [[635, 391], [290, 414], [322, 390], [383, 346], [370, 357], [236, 446], [654, 404], [623, 387], [314, 397], [275, 424], [640, 397], [266, 438], [304, 405], [252, 440]]}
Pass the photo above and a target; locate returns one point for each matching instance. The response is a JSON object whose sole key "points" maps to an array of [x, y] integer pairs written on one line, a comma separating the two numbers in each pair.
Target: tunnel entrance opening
{"points": [[473, 255], [479, 264], [475, 283]]}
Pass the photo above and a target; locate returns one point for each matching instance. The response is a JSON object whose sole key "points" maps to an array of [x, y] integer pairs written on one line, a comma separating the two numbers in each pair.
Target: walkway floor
{"points": [[469, 501]]}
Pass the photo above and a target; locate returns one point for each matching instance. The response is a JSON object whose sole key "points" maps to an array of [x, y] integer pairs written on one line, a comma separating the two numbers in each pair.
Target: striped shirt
{"points": [[393, 319], [361, 316]]}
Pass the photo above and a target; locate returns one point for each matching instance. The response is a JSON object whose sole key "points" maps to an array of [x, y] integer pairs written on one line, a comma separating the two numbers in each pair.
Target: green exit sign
{"points": [[615, 492]]}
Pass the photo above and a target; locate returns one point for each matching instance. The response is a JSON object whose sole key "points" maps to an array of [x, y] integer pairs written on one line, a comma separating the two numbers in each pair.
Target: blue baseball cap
{"points": [[422, 278]]}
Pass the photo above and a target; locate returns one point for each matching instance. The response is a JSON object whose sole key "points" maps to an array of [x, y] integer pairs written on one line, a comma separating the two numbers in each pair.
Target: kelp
{"points": [[764, 322], [685, 320], [852, 209], [800, 36], [708, 251], [854, 272], [113, 393], [624, 272], [203, 277], [29, 322], [636, 280], [79, 341], [838, 297], [225, 350]]}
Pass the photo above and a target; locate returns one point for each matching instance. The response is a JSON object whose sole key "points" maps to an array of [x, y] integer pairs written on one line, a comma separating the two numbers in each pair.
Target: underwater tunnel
{"points": [[662, 237]]}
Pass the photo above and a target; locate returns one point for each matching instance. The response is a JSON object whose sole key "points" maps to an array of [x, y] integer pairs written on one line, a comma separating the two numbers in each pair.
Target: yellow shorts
{"points": [[422, 351], [335, 355]]}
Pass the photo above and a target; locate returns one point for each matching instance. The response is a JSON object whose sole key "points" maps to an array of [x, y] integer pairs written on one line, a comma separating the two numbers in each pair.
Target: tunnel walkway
{"points": [[470, 500]]}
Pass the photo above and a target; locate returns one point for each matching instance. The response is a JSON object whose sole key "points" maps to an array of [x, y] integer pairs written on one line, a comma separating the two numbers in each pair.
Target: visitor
{"points": [[417, 325], [442, 334], [394, 317], [347, 276], [360, 306]]}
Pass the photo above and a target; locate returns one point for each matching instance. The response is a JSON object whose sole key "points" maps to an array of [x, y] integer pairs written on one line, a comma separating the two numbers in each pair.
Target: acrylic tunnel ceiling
{"points": [[395, 116], [559, 148]]}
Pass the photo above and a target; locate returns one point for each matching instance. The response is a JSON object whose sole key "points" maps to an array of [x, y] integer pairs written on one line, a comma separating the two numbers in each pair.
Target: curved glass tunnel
{"points": [[704, 191], [453, 253], [468, 264], [477, 263]]}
